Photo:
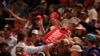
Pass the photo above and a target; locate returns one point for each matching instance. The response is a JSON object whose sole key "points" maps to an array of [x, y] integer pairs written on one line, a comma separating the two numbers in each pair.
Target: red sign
{"points": [[54, 35]]}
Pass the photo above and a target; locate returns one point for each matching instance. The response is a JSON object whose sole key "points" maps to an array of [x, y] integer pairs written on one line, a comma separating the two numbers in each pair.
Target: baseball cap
{"points": [[54, 15], [35, 31], [77, 40], [76, 48], [83, 12], [69, 10], [64, 42], [7, 27], [79, 5], [91, 37], [80, 27], [39, 17]]}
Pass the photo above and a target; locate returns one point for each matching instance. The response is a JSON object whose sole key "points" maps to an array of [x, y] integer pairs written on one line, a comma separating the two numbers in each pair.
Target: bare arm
{"points": [[32, 49], [15, 16], [40, 24], [46, 50]]}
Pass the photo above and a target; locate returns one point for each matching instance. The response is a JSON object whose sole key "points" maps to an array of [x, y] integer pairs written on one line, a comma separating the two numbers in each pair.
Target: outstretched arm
{"points": [[14, 15], [32, 49]]}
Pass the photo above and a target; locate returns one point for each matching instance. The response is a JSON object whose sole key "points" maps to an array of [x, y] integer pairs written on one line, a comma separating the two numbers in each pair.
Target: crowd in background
{"points": [[33, 19]]}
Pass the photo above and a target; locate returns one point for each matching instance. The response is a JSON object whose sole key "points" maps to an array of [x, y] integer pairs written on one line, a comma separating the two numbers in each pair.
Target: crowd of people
{"points": [[80, 19]]}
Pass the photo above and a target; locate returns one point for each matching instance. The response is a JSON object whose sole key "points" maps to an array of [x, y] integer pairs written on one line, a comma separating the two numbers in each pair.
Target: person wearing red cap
{"points": [[53, 12], [54, 15]]}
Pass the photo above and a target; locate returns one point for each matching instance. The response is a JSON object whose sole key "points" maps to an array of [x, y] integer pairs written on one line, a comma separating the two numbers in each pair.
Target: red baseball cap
{"points": [[39, 17], [54, 15]]}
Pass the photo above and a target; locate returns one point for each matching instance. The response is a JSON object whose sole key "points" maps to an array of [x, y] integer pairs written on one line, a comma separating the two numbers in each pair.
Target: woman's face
{"points": [[71, 26], [53, 21], [74, 53], [35, 38], [79, 31], [60, 50], [51, 9], [67, 48], [30, 17]]}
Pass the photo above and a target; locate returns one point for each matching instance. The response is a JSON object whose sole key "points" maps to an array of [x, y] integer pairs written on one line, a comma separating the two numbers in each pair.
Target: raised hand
{"points": [[9, 10]]}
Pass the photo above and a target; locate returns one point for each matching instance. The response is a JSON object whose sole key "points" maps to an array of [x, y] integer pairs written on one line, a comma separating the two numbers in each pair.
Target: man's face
{"points": [[5, 49], [69, 14], [86, 41], [84, 15], [35, 37], [74, 53], [6, 33]]}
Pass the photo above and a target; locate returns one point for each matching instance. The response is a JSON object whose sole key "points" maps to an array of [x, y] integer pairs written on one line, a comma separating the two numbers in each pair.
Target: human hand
{"points": [[1, 39], [46, 50], [56, 42], [9, 10], [40, 23]]}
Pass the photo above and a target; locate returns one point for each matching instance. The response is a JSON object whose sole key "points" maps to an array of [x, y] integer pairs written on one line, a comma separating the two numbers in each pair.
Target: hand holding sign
{"points": [[54, 35]]}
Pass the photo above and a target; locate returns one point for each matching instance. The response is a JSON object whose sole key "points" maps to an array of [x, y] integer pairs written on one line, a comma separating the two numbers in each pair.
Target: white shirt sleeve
{"points": [[31, 49]]}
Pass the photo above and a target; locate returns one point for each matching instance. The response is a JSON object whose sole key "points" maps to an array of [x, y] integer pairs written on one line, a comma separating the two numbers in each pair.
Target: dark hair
{"points": [[21, 36], [9, 28], [92, 42], [3, 44], [54, 7]]}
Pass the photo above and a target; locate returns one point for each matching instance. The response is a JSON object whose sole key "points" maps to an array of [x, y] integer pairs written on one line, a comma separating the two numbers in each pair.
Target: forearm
{"points": [[32, 49], [42, 29], [47, 53], [17, 17]]}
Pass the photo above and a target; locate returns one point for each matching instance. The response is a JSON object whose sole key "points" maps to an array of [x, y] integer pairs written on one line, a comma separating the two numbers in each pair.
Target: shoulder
{"points": [[13, 51], [95, 51], [13, 38]]}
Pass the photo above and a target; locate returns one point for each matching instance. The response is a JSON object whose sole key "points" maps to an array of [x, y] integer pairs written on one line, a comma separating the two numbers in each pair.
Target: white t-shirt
{"points": [[29, 49], [92, 14], [11, 41], [87, 20]]}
